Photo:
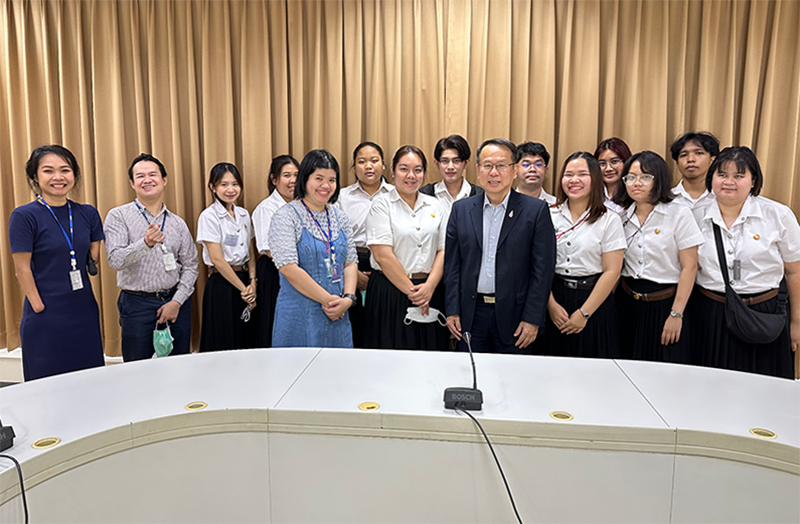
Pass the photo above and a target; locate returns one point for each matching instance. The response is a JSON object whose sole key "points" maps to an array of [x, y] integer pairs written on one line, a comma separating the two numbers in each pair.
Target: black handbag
{"points": [[752, 327]]}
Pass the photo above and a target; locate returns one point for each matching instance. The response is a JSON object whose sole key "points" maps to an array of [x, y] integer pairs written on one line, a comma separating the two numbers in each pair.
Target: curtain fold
{"points": [[200, 82]]}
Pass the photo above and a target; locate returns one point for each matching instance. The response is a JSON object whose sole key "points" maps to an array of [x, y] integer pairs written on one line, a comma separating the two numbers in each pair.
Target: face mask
{"points": [[162, 341], [414, 314]]}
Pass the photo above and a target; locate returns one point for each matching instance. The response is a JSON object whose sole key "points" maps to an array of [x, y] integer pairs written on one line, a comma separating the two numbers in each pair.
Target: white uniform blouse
{"points": [[416, 235], [685, 199], [764, 236], [356, 202], [215, 224], [262, 216], [579, 251], [654, 247]]}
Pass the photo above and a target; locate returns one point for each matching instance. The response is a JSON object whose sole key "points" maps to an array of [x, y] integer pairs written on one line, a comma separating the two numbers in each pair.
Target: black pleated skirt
{"points": [[266, 296], [222, 326], [642, 323], [600, 337], [357, 311], [717, 347], [385, 310]]}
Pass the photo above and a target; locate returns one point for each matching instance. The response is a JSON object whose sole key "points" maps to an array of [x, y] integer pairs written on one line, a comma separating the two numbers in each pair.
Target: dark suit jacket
{"points": [[429, 189], [524, 264]]}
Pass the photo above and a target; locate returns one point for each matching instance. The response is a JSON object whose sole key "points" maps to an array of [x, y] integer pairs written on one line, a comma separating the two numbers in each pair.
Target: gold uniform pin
{"points": [[756, 236], [658, 231]]}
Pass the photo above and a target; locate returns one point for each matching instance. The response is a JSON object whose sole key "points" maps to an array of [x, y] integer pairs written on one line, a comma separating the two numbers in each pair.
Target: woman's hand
{"points": [[558, 314], [249, 293], [38, 307], [575, 324], [337, 307], [672, 331], [794, 328], [421, 295], [363, 280]]}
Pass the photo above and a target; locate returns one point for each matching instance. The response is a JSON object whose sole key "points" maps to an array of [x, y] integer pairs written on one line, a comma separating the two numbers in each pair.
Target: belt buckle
{"points": [[488, 300], [571, 284], [637, 296]]}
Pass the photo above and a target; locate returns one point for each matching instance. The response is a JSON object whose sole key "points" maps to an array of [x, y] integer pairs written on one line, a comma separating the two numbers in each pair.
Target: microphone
{"points": [[461, 397]]}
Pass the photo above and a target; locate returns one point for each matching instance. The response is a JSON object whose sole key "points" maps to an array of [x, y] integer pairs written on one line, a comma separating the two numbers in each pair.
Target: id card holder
{"points": [[169, 259], [335, 273], [231, 240], [737, 270], [76, 280]]}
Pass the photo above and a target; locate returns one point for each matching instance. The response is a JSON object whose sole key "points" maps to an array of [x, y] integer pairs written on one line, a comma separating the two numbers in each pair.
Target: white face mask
{"points": [[414, 314]]}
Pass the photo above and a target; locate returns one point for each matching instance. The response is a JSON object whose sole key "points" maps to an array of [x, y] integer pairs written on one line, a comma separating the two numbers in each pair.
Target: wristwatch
{"points": [[675, 314], [351, 297], [584, 313]]}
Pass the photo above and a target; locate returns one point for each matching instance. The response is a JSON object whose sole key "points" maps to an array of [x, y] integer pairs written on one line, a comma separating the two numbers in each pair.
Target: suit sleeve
{"points": [[452, 266], [543, 265]]}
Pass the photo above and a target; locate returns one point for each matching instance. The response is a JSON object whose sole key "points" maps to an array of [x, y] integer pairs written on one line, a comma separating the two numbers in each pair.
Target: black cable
{"points": [[21, 484], [497, 461]]}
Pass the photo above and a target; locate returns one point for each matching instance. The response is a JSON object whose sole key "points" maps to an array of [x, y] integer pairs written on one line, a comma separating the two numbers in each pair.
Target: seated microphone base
{"points": [[6, 437], [470, 399]]}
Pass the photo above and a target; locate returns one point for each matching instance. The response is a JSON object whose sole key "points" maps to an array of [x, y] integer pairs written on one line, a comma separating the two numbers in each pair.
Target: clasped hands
{"points": [[420, 295], [566, 323], [336, 307], [249, 295]]}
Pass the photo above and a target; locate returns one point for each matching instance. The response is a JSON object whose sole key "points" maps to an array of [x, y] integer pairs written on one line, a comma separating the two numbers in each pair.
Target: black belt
{"points": [[585, 283], [164, 293], [486, 298]]}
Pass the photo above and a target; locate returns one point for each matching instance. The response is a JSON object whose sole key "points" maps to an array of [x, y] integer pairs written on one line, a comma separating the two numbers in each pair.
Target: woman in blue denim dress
{"points": [[313, 248]]}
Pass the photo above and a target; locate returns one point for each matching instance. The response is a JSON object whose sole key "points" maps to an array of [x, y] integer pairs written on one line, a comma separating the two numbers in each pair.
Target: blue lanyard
{"points": [[163, 220], [71, 238], [327, 238]]}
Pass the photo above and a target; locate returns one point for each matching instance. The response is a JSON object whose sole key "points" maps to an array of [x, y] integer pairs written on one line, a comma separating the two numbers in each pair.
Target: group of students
{"points": [[616, 264]]}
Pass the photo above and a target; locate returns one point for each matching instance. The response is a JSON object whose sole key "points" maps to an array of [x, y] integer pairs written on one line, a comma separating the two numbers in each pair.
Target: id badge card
{"points": [[336, 273], [737, 270], [231, 240], [169, 259], [76, 279]]}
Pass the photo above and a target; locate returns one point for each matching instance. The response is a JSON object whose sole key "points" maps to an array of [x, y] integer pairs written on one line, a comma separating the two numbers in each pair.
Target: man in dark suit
{"points": [[499, 258]]}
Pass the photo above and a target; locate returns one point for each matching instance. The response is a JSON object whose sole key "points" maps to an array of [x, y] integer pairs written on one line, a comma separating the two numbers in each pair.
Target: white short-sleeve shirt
{"points": [[579, 249], [416, 235], [654, 247], [262, 216], [764, 237], [683, 197], [545, 197], [443, 195], [215, 224], [616, 208], [356, 202]]}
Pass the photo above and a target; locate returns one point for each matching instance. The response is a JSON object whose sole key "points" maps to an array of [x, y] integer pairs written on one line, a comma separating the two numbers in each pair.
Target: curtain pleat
{"points": [[201, 82]]}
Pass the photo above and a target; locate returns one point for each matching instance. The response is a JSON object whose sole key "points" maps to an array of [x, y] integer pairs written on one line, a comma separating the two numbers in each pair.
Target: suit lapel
{"points": [[477, 220], [512, 216]]}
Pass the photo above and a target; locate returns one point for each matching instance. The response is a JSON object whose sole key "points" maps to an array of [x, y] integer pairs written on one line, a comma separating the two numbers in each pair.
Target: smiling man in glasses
{"points": [[452, 157], [499, 259], [532, 170]]}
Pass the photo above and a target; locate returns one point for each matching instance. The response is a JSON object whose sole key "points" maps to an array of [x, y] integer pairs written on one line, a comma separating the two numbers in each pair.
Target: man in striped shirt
{"points": [[155, 257]]}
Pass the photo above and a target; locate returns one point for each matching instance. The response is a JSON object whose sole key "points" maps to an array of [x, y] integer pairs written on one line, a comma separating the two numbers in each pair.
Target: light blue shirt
{"points": [[492, 223]]}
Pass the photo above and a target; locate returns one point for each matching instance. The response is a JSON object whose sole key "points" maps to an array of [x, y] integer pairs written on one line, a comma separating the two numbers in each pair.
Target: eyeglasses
{"points": [[646, 178], [527, 165], [501, 167], [455, 161], [615, 162]]}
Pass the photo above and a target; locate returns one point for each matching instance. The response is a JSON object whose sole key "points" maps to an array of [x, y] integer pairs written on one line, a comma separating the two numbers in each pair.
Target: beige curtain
{"points": [[196, 83]]}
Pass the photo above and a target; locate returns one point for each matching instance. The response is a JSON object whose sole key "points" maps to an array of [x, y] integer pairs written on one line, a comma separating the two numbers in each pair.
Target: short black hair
{"points": [[653, 164], [500, 142], [276, 166], [457, 142], [32, 165], [364, 144], [145, 157], [534, 149], [216, 174], [745, 159], [405, 150], [316, 159], [706, 140]]}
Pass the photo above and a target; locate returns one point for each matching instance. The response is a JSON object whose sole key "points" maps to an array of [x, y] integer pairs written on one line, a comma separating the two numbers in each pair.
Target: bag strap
{"points": [[723, 263]]}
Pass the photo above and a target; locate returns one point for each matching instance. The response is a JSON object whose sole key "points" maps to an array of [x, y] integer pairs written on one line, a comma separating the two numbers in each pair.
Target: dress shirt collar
{"points": [[751, 208], [144, 208], [564, 211], [440, 189], [220, 210], [503, 204], [394, 196], [680, 190], [383, 188]]}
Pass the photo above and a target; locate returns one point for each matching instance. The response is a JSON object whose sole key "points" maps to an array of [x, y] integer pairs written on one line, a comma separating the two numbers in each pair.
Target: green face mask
{"points": [[162, 341]]}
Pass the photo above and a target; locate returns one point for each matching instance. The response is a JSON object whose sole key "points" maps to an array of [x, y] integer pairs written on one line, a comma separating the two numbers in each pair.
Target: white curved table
{"points": [[283, 440]]}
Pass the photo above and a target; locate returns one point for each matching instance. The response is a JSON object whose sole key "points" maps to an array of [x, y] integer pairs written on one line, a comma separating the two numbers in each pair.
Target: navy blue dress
{"points": [[66, 335]]}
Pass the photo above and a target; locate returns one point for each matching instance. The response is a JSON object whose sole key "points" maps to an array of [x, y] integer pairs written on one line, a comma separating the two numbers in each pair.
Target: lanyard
{"points": [[576, 224], [329, 247], [163, 220], [71, 238]]}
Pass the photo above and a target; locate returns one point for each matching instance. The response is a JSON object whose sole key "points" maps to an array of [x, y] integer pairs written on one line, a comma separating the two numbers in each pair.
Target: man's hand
{"points": [[168, 312], [363, 280], [454, 324], [153, 236], [527, 333]]}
